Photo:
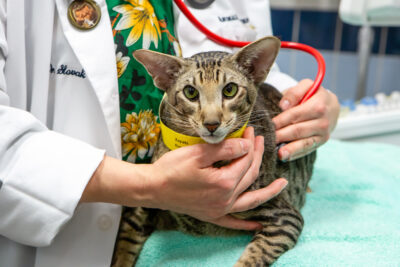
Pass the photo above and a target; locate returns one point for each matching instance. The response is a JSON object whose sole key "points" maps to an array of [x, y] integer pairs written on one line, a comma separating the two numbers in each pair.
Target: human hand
{"points": [[307, 126], [185, 181]]}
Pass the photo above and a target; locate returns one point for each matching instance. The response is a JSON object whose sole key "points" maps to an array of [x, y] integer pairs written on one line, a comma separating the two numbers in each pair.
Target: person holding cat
{"points": [[68, 117], [62, 180]]}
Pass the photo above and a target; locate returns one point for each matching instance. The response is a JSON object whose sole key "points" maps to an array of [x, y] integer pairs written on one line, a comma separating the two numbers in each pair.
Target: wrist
{"points": [[119, 182], [140, 190]]}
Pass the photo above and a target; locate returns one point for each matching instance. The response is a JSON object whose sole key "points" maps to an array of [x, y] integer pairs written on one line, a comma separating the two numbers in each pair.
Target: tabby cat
{"points": [[211, 95]]}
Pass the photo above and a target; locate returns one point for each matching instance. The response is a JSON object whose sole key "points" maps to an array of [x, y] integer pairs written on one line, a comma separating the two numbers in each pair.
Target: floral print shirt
{"points": [[140, 24]]}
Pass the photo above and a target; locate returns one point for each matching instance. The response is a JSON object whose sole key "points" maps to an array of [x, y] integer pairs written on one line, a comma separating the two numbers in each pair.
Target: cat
{"points": [[218, 92]]}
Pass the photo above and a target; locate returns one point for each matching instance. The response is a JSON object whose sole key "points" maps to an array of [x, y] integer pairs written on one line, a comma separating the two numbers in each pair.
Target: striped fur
{"points": [[256, 102]]}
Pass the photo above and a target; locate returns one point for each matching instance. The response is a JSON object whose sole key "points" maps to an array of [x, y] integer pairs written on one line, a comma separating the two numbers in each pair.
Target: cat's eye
{"points": [[230, 90], [191, 93]]}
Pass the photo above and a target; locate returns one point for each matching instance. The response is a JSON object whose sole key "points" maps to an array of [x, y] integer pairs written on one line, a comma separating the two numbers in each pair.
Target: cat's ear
{"points": [[257, 58], [164, 69]]}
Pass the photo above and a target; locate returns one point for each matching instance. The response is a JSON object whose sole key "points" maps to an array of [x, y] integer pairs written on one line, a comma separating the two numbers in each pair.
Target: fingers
{"points": [[241, 167], [252, 199], [294, 94], [253, 171], [300, 148], [310, 110], [229, 149], [334, 109], [302, 130], [234, 223], [307, 126]]}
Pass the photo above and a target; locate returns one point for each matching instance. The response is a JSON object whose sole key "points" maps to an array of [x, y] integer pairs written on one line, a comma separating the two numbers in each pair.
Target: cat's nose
{"points": [[211, 126]]}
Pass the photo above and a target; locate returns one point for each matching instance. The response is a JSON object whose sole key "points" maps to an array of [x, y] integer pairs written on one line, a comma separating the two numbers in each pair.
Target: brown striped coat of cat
{"points": [[211, 95]]}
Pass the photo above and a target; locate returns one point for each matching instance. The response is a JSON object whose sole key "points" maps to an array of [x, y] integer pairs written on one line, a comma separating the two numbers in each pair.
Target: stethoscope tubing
{"points": [[284, 44]]}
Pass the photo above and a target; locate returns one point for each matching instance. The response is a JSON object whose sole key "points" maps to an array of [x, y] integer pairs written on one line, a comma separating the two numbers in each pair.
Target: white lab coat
{"points": [[43, 172]]}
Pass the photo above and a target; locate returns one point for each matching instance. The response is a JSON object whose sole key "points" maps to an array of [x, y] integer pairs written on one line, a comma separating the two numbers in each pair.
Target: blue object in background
{"points": [[283, 24], [369, 101], [350, 36], [349, 103], [393, 44], [317, 29]]}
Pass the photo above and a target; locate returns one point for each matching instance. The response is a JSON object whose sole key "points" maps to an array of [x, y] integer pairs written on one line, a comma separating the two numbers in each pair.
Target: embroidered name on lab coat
{"points": [[64, 70], [232, 18]]}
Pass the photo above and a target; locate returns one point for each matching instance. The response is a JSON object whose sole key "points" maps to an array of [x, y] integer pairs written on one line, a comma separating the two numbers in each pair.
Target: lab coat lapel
{"points": [[40, 20], [95, 51]]}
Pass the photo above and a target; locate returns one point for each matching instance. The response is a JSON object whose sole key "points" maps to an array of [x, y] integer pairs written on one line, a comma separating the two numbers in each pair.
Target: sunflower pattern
{"points": [[139, 134], [140, 24]]}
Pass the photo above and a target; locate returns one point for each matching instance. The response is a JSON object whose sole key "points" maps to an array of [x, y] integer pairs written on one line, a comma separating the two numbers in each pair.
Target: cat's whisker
{"points": [[174, 120], [260, 116]]}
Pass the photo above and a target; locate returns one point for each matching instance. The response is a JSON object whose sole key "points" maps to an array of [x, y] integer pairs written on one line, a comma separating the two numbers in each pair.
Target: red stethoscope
{"points": [[284, 44]]}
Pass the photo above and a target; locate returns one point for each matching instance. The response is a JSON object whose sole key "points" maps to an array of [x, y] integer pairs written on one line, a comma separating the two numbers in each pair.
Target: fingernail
{"points": [[284, 183], [285, 104], [244, 145], [284, 155], [279, 146], [259, 228]]}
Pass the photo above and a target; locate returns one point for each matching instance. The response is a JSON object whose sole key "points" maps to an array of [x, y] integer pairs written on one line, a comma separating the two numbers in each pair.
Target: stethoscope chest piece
{"points": [[84, 14]]}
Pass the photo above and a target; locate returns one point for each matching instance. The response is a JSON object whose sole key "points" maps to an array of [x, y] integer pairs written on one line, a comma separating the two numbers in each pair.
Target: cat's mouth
{"points": [[213, 137], [220, 134]]}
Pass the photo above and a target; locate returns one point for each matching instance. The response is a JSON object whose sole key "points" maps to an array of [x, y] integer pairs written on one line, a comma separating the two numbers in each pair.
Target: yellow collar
{"points": [[174, 140]]}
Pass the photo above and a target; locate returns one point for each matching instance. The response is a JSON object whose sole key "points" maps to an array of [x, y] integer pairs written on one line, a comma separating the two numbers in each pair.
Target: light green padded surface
{"points": [[352, 217]]}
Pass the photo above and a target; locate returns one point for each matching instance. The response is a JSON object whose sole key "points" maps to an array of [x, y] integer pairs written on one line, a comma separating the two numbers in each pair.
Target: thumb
{"points": [[293, 95], [228, 149]]}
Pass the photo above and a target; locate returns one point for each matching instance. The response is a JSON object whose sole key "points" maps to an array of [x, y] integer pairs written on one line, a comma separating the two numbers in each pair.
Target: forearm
{"points": [[119, 182]]}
